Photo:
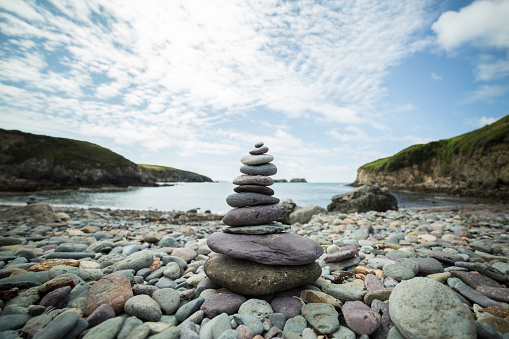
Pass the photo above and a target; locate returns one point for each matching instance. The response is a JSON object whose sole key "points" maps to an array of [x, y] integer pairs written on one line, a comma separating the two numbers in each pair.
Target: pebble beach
{"points": [[100, 273]]}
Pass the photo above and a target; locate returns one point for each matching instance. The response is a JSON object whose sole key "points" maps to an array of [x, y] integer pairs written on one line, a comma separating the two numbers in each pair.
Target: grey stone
{"points": [[254, 188], [218, 324], [129, 325], [398, 272], [250, 199], [477, 297], [253, 180], [13, 321], [170, 333], [345, 292], [360, 318], [268, 249], [249, 278], [322, 317], [80, 326], [168, 299], [425, 298], [187, 309], [225, 302], [278, 320], [59, 327], [289, 306], [251, 216], [259, 229], [106, 330], [36, 213], [250, 321], [304, 214], [256, 159], [295, 325], [143, 307], [27, 280], [265, 169], [135, 261], [364, 199], [258, 308], [428, 265]]}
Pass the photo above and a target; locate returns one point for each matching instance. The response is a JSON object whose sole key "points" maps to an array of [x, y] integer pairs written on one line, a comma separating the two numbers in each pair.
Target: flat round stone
{"points": [[254, 188], [249, 278], [265, 169], [250, 199], [251, 216], [260, 150], [253, 180], [259, 229], [267, 249], [259, 144], [250, 159]]}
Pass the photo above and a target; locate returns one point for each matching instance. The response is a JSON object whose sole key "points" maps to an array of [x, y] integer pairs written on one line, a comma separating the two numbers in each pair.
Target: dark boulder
{"points": [[364, 199]]}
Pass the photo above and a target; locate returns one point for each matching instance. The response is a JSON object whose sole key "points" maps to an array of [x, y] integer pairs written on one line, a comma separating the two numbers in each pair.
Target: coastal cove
{"points": [[211, 196]]}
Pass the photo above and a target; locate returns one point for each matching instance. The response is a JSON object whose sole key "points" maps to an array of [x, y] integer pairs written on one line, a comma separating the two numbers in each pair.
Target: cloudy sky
{"points": [[193, 84]]}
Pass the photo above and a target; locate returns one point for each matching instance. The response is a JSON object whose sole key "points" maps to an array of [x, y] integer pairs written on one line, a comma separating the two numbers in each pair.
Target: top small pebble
{"points": [[259, 144]]}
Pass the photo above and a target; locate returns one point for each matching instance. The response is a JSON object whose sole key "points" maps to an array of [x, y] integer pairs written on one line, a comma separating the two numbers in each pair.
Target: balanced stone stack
{"points": [[255, 256]]}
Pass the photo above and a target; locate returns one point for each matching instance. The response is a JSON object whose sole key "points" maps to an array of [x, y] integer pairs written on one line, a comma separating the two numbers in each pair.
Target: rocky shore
{"points": [[100, 273]]}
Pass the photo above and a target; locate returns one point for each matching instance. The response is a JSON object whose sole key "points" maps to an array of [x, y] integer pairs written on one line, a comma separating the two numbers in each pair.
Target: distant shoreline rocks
{"points": [[291, 180]]}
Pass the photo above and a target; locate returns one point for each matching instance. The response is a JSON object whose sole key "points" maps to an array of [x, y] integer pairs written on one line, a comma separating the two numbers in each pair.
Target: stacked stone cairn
{"points": [[254, 255]]}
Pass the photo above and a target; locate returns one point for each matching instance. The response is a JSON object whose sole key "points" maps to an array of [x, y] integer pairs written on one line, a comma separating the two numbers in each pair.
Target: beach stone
{"points": [[13, 321], [499, 324], [225, 302], [323, 317], [135, 261], [106, 330], [253, 180], [373, 283], [173, 270], [143, 307], [187, 254], [59, 327], [249, 278], [256, 159], [278, 320], [267, 249], [485, 331], [37, 323], [250, 199], [250, 321], [304, 214], [251, 216], [312, 296], [187, 309], [255, 189], [398, 272], [500, 294], [475, 279], [168, 299], [295, 325], [57, 298], [101, 313], [289, 306], [350, 291], [256, 230], [129, 325], [27, 280], [428, 265], [344, 333], [218, 324], [265, 169], [360, 318], [258, 308], [25, 298], [339, 256], [259, 150], [476, 297], [364, 199], [36, 213], [382, 308], [152, 237], [114, 290], [142, 331], [382, 295], [424, 298]]}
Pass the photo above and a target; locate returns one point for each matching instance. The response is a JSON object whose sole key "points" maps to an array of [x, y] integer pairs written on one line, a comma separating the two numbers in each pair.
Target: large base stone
{"points": [[250, 278]]}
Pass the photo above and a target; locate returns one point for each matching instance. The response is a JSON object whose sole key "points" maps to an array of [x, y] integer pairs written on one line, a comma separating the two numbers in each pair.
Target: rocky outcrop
{"points": [[364, 199], [170, 174], [472, 164], [303, 215], [36, 213], [482, 175]]}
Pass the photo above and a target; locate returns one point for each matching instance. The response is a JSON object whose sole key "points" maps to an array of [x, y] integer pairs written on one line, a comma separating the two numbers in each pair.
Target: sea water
{"points": [[209, 196]]}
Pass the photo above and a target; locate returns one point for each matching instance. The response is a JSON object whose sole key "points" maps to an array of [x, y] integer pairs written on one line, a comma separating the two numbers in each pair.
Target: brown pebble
{"points": [[46, 265]]}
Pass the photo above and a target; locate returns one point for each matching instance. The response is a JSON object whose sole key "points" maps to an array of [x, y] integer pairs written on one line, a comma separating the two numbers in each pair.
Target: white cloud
{"points": [[436, 77], [482, 23], [487, 93], [492, 70]]}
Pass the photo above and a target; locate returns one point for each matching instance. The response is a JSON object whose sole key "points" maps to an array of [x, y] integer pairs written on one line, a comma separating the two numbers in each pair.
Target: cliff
{"points": [[30, 162], [170, 174], [472, 164]]}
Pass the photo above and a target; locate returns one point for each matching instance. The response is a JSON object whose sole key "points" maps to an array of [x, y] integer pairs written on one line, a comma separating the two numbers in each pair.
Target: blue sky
{"points": [[327, 85]]}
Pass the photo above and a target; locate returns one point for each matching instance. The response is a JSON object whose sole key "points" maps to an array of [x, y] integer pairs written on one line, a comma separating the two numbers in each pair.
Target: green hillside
{"points": [[17, 147], [170, 174], [465, 145]]}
